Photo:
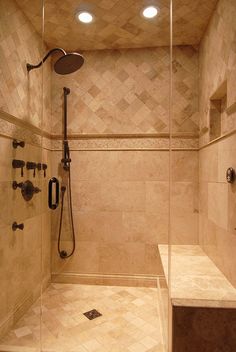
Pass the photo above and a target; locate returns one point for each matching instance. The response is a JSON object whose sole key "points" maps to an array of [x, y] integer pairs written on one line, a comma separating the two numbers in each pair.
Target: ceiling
{"points": [[118, 23]]}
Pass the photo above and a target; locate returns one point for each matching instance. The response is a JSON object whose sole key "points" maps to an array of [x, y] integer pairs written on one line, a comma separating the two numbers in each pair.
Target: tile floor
{"points": [[130, 321]]}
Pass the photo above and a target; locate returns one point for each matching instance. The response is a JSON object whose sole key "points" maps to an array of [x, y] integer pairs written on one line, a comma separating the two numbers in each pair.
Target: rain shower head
{"points": [[67, 62]]}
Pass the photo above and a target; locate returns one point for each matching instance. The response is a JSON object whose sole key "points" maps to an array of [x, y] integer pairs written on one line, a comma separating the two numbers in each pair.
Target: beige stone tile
{"points": [[144, 165], [184, 197], [218, 204], [138, 347], [209, 287], [149, 342], [184, 166], [86, 261], [7, 154], [152, 261], [87, 196], [103, 227], [208, 163], [22, 332], [115, 258], [111, 332], [157, 197], [232, 208], [123, 196], [203, 198], [96, 166], [150, 228], [226, 150], [184, 229]]}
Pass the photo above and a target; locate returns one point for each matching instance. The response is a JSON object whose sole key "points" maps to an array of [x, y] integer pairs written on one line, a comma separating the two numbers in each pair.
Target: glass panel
{"points": [[203, 275], [21, 212], [118, 135]]}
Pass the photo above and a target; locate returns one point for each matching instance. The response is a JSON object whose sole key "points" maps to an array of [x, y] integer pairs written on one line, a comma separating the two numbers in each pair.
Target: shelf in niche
{"points": [[218, 111]]}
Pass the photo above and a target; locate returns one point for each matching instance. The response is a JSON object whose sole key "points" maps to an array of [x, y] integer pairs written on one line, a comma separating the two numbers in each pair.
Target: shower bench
{"points": [[203, 301]]}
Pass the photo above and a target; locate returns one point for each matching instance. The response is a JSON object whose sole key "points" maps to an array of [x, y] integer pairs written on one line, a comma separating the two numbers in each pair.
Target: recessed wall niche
{"points": [[218, 105]]}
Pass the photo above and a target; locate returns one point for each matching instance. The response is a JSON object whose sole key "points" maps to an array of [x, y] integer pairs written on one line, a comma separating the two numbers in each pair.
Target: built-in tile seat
{"points": [[195, 279], [203, 301]]}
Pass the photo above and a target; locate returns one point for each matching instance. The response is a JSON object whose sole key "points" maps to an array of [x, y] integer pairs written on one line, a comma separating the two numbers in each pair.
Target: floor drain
{"points": [[92, 314]]}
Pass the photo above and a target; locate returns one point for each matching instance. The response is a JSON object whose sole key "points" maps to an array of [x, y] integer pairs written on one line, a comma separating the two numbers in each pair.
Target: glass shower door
{"points": [[21, 212], [203, 198]]}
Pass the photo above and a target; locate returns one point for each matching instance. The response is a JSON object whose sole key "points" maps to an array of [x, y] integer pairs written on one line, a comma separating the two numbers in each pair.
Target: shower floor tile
{"points": [[130, 321]]}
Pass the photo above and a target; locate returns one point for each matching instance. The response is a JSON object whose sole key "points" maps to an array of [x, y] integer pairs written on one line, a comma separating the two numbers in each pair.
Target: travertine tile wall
{"points": [[120, 201], [20, 92], [217, 197], [25, 255], [217, 63], [121, 197], [184, 215], [127, 92]]}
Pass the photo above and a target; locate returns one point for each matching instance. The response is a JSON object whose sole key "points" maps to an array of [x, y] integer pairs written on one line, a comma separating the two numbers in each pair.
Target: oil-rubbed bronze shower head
{"points": [[67, 63]]}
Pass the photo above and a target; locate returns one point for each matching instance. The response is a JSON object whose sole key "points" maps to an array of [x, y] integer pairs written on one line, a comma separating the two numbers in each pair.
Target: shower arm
{"points": [[31, 67]]}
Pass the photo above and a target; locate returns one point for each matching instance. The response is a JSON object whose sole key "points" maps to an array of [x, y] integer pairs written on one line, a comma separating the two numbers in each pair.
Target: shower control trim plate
{"points": [[27, 189]]}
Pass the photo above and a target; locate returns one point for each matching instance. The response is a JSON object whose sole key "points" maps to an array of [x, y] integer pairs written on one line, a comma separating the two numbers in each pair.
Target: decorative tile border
{"points": [[224, 136], [12, 127], [154, 143]]}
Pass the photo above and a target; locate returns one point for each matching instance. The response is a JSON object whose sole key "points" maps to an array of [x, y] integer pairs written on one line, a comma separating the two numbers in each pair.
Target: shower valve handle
{"points": [[16, 144], [44, 167], [16, 226], [16, 185], [31, 166], [39, 166], [18, 164]]}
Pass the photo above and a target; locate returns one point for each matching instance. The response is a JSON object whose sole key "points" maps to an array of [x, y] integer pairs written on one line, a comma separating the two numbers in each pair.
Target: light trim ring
{"points": [[84, 17], [150, 12]]}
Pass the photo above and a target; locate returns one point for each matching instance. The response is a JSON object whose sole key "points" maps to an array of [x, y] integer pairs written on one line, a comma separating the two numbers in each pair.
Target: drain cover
{"points": [[92, 314]]}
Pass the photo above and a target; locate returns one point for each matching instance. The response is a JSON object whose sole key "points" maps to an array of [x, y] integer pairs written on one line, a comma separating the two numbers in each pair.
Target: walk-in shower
{"points": [[117, 180]]}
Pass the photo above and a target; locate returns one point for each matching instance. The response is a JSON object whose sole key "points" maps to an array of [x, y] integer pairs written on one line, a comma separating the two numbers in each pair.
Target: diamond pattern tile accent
{"points": [[130, 320], [127, 91], [21, 94], [118, 23]]}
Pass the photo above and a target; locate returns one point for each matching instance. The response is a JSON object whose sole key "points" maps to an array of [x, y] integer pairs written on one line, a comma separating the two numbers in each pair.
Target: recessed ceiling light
{"points": [[84, 16], [150, 11]]}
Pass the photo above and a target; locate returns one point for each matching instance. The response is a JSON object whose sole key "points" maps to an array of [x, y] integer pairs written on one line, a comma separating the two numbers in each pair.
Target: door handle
{"points": [[52, 181]]}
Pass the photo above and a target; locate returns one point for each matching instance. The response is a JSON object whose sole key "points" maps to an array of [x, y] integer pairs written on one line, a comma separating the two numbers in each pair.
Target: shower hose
{"points": [[63, 254]]}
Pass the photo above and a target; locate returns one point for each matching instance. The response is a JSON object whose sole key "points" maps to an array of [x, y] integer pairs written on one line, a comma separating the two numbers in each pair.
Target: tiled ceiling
{"points": [[118, 23]]}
